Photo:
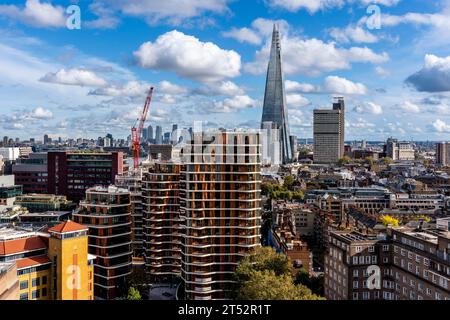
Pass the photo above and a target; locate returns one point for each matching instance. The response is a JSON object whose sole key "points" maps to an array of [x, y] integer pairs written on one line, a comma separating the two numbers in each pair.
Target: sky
{"points": [[207, 59]]}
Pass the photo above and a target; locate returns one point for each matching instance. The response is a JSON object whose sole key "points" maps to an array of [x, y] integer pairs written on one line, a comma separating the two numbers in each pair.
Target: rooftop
{"points": [[67, 226]]}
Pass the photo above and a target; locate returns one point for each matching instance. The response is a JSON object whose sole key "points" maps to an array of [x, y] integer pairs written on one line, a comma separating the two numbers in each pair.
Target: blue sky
{"points": [[207, 60]]}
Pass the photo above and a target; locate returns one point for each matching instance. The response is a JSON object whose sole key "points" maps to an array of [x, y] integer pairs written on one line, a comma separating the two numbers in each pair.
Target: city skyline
{"points": [[53, 80]]}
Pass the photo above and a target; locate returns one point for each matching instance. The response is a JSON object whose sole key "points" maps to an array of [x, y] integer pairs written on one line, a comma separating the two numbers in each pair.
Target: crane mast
{"points": [[136, 131]]}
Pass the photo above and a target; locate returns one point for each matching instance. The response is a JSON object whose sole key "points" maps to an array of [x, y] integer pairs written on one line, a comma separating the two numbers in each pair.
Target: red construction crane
{"points": [[136, 132]]}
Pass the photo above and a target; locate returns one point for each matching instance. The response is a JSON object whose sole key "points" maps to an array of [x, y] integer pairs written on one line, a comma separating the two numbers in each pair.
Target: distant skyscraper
{"points": [[329, 133], [274, 109], [443, 153], [158, 135], [46, 139], [144, 134], [174, 127], [150, 133]]}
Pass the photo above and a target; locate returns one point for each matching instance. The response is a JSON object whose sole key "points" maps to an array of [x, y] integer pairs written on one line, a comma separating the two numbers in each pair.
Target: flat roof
{"points": [[46, 214]]}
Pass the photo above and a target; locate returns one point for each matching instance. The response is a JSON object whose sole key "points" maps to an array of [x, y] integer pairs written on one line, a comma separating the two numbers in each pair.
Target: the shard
{"points": [[274, 108]]}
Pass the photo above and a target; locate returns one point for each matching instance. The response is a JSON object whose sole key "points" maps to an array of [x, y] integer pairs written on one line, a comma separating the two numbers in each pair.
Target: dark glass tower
{"points": [[274, 109]]}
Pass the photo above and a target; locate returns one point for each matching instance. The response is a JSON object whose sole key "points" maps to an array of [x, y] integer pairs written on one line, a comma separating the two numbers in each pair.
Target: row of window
{"points": [[35, 294], [36, 282]]}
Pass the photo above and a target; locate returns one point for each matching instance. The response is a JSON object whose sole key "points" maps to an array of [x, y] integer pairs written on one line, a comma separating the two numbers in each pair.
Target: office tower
{"points": [[270, 140], [132, 181], [158, 135], [72, 265], [163, 230], [144, 134], [329, 133], [220, 204], [107, 142], [174, 127], [46, 139], [399, 151], [5, 141], [443, 154], [293, 142], [274, 108], [70, 173], [107, 213], [46, 262], [166, 137], [150, 133]]}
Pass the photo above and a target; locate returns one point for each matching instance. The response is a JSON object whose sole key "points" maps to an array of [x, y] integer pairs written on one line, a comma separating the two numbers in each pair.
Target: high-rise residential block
{"points": [[329, 134], [31, 172], [106, 211], [163, 229], [443, 154], [220, 205]]}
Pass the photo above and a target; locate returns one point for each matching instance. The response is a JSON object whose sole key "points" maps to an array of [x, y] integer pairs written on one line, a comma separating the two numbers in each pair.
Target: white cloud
{"points": [[296, 100], [223, 88], [441, 126], [36, 13], [316, 57], [382, 72], [433, 77], [170, 88], [313, 6], [41, 113], [173, 12], [243, 35], [353, 34], [188, 57], [231, 104], [343, 86], [369, 107], [296, 87], [410, 107], [74, 77]]}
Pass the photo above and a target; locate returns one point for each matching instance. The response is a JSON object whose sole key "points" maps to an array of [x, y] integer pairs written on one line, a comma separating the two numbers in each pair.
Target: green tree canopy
{"points": [[133, 294], [267, 275]]}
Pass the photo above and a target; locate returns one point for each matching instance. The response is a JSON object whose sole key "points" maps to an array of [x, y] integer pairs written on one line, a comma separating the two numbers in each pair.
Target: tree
{"points": [[369, 161], [133, 294], [388, 220], [289, 181], [387, 160], [315, 284], [344, 160], [265, 274], [266, 285]]}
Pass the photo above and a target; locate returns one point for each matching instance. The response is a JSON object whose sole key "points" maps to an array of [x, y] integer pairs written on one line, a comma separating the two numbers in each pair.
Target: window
{"points": [[438, 296], [358, 249], [24, 296], [355, 284], [44, 280], [429, 291], [374, 259], [44, 292], [371, 249], [24, 285], [35, 294], [355, 295], [36, 282], [355, 273], [385, 247]]}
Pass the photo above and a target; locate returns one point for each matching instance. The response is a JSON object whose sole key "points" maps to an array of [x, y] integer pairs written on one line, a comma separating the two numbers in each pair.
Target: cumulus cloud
{"points": [[188, 57], [223, 88], [230, 104], [40, 113], [243, 35], [433, 77], [353, 34], [369, 107], [317, 57], [331, 84], [313, 6], [409, 107], [382, 72], [36, 14], [441, 126], [174, 12], [296, 87], [74, 77], [296, 100]]}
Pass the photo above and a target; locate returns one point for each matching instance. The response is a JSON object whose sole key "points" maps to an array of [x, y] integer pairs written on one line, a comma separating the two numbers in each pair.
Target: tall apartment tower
{"points": [[132, 181], [220, 205], [158, 135], [443, 154], [163, 231], [329, 133], [107, 213], [274, 108], [149, 134]]}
